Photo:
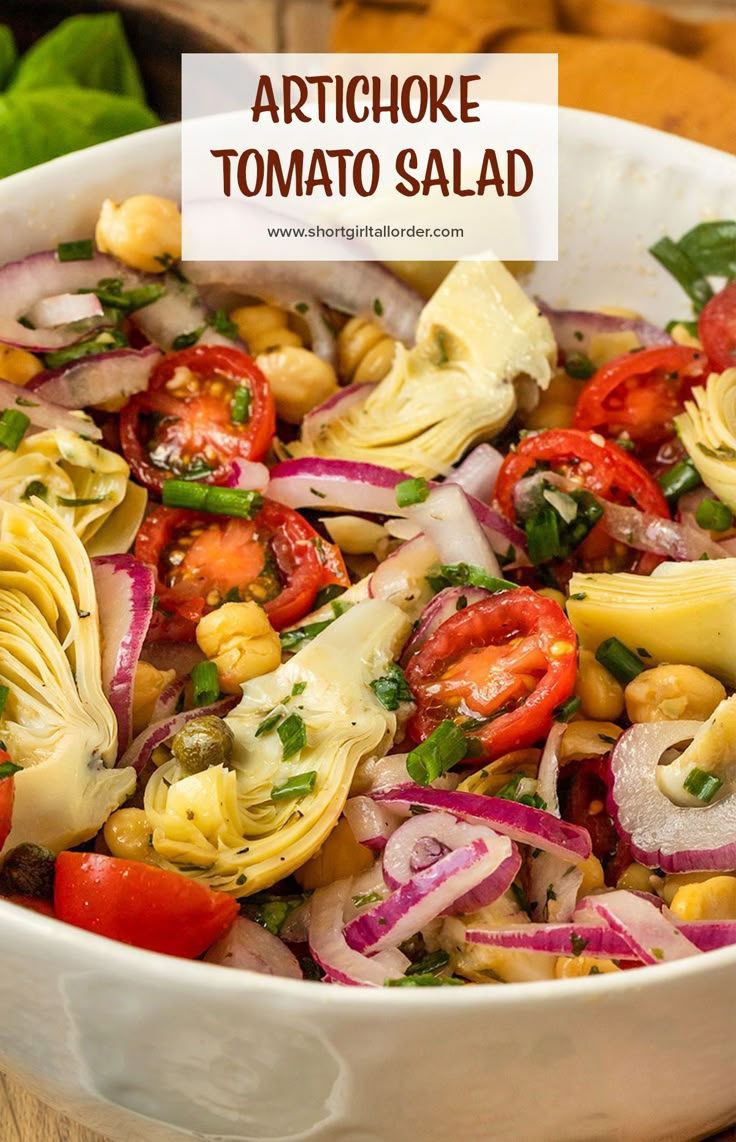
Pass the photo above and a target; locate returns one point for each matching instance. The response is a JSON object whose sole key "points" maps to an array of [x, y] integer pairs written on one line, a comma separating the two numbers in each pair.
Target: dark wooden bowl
{"points": [[158, 32]]}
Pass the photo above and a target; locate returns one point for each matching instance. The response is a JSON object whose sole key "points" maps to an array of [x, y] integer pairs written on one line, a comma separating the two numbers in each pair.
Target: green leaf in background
{"points": [[83, 51], [39, 125], [8, 55]]}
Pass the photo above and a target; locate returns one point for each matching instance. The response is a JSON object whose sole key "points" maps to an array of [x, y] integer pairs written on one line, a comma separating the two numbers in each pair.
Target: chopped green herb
{"points": [[293, 734], [465, 575], [319, 495], [461, 603], [363, 899], [207, 498], [578, 596], [23, 403], [579, 366], [722, 452], [298, 688], [80, 251], [13, 425], [8, 768], [205, 684], [427, 980], [220, 321], [565, 710], [268, 724], [549, 536], [326, 594], [298, 786], [186, 340], [680, 478], [702, 785], [619, 661], [713, 516], [578, 944], [301, 307], [410, 492], [444, 748], [443, 356], [35, 488], [4, 692], [392, 688], [378, 307], [100, 343], [80, 503], [521, 898], [110, 293], [271, 911], [431, 963], [608, 740], [240, 405], [293, 639], [640, 650], [657, 953], [514, 791]]}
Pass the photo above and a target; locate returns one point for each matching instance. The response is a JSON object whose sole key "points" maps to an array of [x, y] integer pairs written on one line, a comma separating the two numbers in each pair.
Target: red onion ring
{"points": [[124, 589], [644, 928], [44, 414], [371, 824], [93, 380], [443, 606], [708, 935], [449, 522], [574, 328], [549, 768], [556, 940], [331, 951], [644, 531], [249, 947], [478, 472]]}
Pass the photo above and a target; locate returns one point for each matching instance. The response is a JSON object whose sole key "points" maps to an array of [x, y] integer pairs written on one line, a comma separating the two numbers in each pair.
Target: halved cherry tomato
{"points": [[717, 328], [640, 394], [506, 662], [183, 424], [34, 903], [7, 797], [141, 905], [596, 464], [202, 560]]}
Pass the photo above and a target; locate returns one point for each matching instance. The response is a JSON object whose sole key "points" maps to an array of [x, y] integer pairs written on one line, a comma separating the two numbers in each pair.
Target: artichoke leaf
{"points": [[712, 750], [57, 723], [222, 825], [478, 338], [707, 429]]}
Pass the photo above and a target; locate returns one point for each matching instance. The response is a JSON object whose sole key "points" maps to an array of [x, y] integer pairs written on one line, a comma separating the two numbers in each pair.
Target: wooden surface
{"points": [[271, 25]]}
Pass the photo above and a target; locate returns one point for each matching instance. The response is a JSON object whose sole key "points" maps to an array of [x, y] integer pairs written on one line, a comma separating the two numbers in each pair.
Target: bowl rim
{"points": [[103, 954]]}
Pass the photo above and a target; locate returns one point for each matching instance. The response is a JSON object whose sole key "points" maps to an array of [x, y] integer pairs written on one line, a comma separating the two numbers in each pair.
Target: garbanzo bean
{"points": [[143, 231], [241, 642], [673, 692], [299, 380], [601, 696]]}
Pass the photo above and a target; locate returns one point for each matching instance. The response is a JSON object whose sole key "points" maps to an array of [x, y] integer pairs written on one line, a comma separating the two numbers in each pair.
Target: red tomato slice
{"points": [[34, 903], [182, 425], [717, 328], [7, 796], [640, 394], [507, 661], [138, 904], [202, 560], [597, 464]]}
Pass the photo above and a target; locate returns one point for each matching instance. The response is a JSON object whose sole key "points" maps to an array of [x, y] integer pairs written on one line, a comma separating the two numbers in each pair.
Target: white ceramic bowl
{"points": [[140, 1046]]}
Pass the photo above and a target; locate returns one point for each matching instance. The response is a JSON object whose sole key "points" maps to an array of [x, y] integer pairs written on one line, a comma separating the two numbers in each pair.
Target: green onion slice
{"points": [[80, 251], [410, 492], [619, 661], [205, 684], [444, 747], [293, 734], [13, 425], [208, 498], [297, 786], [702, 785]]}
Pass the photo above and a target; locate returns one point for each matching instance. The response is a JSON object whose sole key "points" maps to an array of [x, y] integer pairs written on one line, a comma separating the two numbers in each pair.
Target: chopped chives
{"points": [[269, 724], [81, 503], [619, 661], [433, 962], [297, 786], [208, 498], [565, 710], [680, 478], [80, 251], [543, 535], [293, 734], [13, 425], [465, 575], [4, 691], [240, 405], [186, 340], [425, 980], [444, 747], [220, 321], [205, 684], [327, 594], [35, 488], [713, 516], [579, 367], [292, 639], [702, 785], [410, 492]]}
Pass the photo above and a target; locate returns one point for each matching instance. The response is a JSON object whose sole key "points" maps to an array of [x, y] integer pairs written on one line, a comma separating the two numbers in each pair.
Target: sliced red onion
{"points": [[44, 414], [124, 589], [553, 887], [249, 475], [350, 287], [63, 309], [370, 824], [524, 824], [314, 482], [44, 276], [443, 606], [433, 890], [316, 421], [331, 951], [556, 940], [388, 772], [574, 328], [683, 541], [140, 749], [402, 578], [180, 310], [529, 492], [447, 519], [663, 835], [295, 928], [708, 935], [249, 947], [644, 928], [179, 656], [425, 839], [96, 379], [478, 472], [168, 700], [549, 768]]}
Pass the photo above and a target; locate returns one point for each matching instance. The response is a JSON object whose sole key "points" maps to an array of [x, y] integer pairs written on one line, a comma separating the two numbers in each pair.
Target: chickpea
{"points": [[714, 899], [17, 365], [128, 835], [571, 967], [143, 231], [593, 878], [556, 404], [241, 642], [555, 596], [364, 352], [299, 380], [601, 696], [340, 856], [677, 880], [636, 878], [264, 327], [673, 693]]}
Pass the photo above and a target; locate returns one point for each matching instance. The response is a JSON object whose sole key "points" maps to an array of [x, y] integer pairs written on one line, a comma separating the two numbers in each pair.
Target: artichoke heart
{"points": [[707, 430], [227, 825], [477, 337], [85, 484], [682, 612], [57, 723]]}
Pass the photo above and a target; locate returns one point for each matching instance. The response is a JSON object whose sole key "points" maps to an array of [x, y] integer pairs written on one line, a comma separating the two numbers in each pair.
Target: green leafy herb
{"points": [[521, 898], [8, 768], [674, 259], [680, 478], [4, 693], [269, 723], [426, 980], [293, 734], [378, 307], [13, 425], [363, 899], [514, 791], [392, 688], [465, 575], [580, 367], [298, 786], [410, 492], [35, 488], [444, 748], [301, 307], [326, 594], [578, 596], [291, 640], [565, 710], [80, 503], [431, 963], [208, 498], [205, 684], [702, 785], [549, 536], [186, 340], [619, 661], [80, 251], [100, 343], [711, 246], [272, 911], [220, 321], [578, 944]]}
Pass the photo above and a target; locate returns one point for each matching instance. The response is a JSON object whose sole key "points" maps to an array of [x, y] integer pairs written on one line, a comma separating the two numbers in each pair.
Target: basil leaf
{"points": [[8, 54]]}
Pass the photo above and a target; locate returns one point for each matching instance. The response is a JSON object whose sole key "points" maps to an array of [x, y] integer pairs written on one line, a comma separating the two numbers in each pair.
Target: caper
{"points": [[203, 742], [28, 870]]}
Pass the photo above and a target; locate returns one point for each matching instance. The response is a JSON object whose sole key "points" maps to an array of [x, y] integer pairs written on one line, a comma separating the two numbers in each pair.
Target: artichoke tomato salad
{"points": [[354, 634]]}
